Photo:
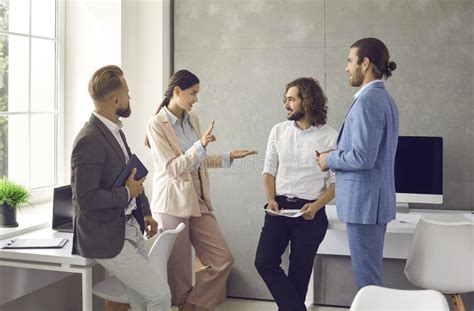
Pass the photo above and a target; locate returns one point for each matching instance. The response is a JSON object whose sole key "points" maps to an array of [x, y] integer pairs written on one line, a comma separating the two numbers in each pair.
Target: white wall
{"points": [[127, 33], [133, 34], [92, 40], [146, 63]]}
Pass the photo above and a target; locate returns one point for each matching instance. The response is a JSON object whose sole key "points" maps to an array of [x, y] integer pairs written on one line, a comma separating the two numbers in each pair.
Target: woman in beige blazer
{"points": [[181, 194]]}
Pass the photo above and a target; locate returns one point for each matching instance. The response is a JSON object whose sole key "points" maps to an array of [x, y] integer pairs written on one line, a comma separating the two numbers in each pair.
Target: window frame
{"points": [[42, 194]]}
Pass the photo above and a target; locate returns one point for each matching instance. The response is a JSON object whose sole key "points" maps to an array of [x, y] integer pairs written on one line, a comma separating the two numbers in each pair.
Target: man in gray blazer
{"points": [[109, 221], [364, 159]]}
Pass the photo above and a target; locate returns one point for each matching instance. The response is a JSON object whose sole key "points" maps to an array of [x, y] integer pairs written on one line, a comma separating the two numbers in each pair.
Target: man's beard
{"points": [[296, 116], [124, 112], [357, 78]]}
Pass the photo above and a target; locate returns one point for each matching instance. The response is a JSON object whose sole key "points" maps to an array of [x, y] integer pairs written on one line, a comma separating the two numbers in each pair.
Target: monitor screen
{"points": [[419, 170], [62, 206]]}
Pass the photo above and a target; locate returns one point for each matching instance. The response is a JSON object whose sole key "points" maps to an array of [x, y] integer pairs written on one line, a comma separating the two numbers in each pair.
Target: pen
{"points": [[9, 243]]}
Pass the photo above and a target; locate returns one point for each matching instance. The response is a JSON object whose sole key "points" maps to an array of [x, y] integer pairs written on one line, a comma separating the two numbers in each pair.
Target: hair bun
{"points": [[392, 66]]}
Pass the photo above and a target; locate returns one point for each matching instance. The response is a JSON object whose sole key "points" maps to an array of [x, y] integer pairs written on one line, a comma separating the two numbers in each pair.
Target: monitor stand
{"points": [[402, 208]]}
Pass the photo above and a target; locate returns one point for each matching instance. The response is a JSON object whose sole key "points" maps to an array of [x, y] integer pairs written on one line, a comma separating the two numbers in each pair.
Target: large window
{"points": [[29, 91]]}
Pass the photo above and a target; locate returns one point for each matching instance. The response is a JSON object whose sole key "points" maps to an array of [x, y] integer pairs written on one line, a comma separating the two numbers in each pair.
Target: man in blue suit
{"points": [[364, 159]]}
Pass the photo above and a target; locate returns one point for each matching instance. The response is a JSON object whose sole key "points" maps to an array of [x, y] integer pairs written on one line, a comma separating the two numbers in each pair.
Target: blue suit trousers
{"points": [[366, 245]]}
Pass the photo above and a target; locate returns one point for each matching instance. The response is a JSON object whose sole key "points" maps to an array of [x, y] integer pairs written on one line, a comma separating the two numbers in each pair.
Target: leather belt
{"points": [[293, 200]]}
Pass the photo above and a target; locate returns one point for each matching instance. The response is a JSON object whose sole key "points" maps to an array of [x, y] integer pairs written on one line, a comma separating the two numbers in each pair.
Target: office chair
{"points": [[381, 298], [441, 257], [111, 288]]}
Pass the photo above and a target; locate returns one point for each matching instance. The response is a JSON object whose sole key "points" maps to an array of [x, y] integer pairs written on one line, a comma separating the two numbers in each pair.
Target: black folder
{"points": [[134, 162]]}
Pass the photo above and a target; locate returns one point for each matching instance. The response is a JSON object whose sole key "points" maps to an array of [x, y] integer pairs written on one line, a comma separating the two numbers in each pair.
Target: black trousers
{"points": [[304, 237]]}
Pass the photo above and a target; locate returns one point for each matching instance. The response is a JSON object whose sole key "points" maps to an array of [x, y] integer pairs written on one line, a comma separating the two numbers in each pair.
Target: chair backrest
{"points": [[441, 256], [161, 249], [381, 298]]}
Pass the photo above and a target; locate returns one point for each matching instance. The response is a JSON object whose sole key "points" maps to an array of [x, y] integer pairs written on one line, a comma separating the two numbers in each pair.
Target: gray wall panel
{"points": [[433, 89], [242, 91], [459, 193], [241, 218], [237, 24], [245, 52], [400, 22]]}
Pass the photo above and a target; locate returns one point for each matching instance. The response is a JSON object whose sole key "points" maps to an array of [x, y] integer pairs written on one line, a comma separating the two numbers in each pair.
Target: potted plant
{"points": [[12, 196]]}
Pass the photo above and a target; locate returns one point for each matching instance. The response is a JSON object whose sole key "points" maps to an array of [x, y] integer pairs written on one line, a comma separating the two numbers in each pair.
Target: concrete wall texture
{"points": [[245, 52]]}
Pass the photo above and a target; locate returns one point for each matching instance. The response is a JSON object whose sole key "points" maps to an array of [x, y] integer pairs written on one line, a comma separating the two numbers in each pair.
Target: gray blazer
{"points": [[365, 157], [99, 210]]}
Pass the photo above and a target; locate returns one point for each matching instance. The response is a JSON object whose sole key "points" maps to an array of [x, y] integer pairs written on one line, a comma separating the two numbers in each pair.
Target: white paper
{"points": [[469, 216], [292, 213], [408, 218]]}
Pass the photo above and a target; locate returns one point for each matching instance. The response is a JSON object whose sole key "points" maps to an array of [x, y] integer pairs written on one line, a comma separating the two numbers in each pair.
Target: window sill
{"points": [[30, 218]]}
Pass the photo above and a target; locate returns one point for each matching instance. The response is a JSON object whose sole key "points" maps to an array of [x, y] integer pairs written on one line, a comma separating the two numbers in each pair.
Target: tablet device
{"points": [[35, 243]]}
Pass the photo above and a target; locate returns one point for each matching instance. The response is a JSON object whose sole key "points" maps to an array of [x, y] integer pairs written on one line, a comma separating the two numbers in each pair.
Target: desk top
{"points": [[397, 238], [51, 255], [30, 218], [396, 226]]}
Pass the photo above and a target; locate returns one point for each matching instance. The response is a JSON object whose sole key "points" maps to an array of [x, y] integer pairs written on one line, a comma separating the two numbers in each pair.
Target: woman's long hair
{"points": [[184, 79]]}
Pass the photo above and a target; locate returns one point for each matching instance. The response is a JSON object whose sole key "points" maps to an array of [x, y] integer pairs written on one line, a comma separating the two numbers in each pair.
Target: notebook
{"points": [[134, 162], [35, 243], [62, 209]]}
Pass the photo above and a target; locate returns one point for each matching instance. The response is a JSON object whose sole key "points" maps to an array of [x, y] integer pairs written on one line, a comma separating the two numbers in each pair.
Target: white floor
{"points": [[256, 305]]}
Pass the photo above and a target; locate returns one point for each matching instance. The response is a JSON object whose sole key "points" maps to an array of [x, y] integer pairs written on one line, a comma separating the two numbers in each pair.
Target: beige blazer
{"points": [[173, 189]]}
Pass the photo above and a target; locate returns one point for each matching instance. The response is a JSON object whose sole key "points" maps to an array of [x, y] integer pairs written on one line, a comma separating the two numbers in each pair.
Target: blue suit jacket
{"points": [[365, 157]]}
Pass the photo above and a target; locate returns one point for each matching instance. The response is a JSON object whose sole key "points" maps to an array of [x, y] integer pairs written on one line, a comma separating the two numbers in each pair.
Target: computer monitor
{"points": [[419, 170]]}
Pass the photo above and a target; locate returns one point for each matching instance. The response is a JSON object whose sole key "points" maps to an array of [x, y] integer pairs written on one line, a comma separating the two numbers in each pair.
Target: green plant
{"points": [[12, 194]]}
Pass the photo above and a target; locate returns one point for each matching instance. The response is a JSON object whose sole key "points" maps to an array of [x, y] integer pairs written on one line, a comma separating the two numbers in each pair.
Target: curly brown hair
{"points": [[314, 100]]}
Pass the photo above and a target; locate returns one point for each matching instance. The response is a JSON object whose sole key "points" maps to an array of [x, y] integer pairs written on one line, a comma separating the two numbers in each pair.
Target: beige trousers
{"points": [[204, 234]]}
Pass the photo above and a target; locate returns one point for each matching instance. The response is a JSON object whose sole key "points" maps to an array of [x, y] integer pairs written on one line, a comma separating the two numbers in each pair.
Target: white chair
{"points": [[441, 257], [381, 298], [111, 288]]}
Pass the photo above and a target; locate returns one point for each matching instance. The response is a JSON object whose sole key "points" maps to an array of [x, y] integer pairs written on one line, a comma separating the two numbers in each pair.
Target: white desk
{"points": [[397, 238], [30, 218], [397, 244], [52, 260]]}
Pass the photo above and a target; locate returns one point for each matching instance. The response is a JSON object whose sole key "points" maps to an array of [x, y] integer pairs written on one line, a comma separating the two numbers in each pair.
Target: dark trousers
{"points": [[304, 237]]}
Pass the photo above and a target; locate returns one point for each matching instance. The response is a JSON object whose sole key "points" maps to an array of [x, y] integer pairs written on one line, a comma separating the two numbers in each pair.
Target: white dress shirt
{"points": [[291, 159], [364, 87], [115, 130]]}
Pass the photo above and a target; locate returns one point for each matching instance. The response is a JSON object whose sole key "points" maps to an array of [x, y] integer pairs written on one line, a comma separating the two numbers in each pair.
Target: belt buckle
{"points": [[291, 199]]}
